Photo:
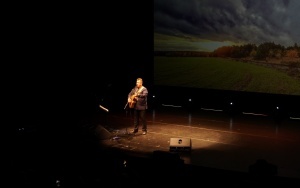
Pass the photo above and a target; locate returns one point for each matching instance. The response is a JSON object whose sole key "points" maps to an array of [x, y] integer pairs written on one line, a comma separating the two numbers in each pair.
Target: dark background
{"points": [[63, 60]]}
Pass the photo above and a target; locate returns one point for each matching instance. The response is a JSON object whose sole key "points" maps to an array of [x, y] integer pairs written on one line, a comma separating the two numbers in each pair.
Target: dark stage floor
{"points": [[240, 144], [216, 148]]}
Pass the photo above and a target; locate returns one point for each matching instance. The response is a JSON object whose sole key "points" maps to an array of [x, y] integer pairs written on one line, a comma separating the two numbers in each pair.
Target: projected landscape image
{"points": [[244, 45]]}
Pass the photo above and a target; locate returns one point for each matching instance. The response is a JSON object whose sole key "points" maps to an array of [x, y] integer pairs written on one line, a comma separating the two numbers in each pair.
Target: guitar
{"points": [[133, 101]]}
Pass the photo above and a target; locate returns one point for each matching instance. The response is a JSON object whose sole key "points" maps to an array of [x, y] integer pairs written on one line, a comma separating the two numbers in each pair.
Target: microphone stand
{"points": [[125, 105]]}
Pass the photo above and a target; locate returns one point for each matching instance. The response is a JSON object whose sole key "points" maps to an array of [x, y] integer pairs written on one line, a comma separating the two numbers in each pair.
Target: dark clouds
{"points": [[238, 21]]}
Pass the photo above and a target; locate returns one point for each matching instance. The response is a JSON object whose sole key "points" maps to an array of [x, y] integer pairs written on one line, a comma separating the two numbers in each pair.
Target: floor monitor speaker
{"points": [[102, 133], [180, 144]]}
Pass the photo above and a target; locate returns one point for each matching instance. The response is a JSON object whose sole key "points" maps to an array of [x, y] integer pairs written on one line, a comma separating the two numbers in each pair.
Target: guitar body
{"points": [[133, 101]]}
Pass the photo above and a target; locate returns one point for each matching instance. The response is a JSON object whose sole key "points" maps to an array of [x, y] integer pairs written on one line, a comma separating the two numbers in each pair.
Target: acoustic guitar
{"points": [[133, 101]]}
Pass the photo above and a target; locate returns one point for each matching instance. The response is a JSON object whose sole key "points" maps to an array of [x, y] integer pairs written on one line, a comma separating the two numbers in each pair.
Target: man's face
{"points": [[138, 83]]}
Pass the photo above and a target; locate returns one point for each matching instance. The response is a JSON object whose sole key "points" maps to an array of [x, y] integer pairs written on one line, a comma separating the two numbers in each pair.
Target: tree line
{"points": [[260, 52], [257, 52]]}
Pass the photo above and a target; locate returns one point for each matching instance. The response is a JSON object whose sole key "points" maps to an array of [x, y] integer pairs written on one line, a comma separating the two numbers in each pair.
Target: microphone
{"points": [[103, 108]]}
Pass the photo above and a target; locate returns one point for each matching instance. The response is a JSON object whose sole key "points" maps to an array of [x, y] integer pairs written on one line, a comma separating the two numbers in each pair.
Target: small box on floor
{"points": [[180, 144]]}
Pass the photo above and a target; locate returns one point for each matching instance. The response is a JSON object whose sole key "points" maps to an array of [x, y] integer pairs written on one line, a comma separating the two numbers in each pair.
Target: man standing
{"points": [[137, 99]]}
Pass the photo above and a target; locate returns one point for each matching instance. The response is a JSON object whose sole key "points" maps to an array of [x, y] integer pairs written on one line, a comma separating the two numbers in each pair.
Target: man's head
{"points": [[139, 82]]}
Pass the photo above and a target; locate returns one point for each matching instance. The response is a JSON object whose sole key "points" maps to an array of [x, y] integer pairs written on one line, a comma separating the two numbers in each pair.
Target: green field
{"points": [[222, 74]]}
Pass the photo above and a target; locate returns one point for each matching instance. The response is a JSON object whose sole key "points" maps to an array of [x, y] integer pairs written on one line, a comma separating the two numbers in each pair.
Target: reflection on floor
{"points": [[181, 148]]}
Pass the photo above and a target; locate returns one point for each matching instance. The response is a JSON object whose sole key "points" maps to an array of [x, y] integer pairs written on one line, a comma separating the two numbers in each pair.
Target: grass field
{"points": [[222, 74]]}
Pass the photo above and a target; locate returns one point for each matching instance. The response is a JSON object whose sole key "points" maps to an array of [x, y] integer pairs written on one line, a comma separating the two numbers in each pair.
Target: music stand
{"points": [[116, 137]]}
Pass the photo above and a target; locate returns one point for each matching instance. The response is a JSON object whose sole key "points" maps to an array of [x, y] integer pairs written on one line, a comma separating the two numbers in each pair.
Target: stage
{"points": [[181, 148], [232, 144]]}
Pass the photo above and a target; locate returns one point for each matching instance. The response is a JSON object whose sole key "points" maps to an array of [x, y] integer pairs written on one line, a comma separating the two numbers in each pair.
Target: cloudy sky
{"points": [[204, 25]]}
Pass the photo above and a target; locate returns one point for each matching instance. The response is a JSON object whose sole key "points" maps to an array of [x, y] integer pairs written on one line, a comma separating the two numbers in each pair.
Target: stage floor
{"points": [[217, 149], [217, 140]]}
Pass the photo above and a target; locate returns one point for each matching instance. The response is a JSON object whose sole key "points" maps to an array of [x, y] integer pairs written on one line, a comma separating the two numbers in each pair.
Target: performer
{"points": [[137, 100]]}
